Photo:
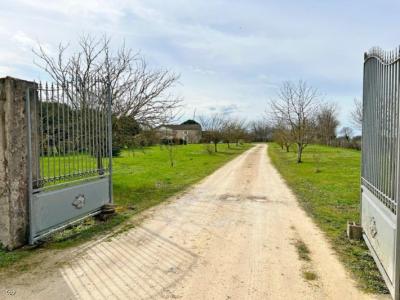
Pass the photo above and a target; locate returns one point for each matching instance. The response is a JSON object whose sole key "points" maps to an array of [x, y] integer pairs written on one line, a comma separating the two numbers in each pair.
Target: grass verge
{"points": [[141, 180], [327, 186]]}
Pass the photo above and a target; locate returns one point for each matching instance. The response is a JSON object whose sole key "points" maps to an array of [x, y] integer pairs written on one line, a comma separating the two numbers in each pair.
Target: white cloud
{"points": [[109, 10], [202, 71], [24, 41], [4, 71]]}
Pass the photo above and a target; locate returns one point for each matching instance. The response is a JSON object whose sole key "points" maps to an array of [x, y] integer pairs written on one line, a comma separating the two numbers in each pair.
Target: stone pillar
{"points": [[14, 183]]}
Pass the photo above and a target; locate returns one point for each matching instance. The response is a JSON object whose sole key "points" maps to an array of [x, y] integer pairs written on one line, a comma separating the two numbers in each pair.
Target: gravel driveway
{"points": [[232, 236]]}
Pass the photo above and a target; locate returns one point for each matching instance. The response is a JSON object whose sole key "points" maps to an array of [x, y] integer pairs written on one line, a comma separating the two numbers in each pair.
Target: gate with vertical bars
{"points": [[380, 162], [70, 153]]}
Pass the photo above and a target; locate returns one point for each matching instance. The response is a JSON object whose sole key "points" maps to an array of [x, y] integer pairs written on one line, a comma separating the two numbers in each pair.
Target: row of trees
{"points": [[299, 116], [217, 129]]}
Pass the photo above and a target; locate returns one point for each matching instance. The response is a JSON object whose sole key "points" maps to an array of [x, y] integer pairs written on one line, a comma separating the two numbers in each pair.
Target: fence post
{"points": [[14, 167]]}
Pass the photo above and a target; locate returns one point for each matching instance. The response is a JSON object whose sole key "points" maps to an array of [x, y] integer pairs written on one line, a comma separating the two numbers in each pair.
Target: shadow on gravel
{"points": [[140, 264]]}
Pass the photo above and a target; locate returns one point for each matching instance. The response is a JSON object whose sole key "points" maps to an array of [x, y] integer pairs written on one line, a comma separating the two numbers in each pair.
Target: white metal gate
{"points": [[70, 153], [380, 162]]}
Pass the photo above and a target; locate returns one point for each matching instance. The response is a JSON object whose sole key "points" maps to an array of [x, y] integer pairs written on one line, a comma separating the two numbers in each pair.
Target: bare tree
{"points": [[326, 123], [347, 133], [282, 135], [240, 130], [234, 130], [213, 127], [357, 113], [137, 91], [260, 131], [296, 105]]}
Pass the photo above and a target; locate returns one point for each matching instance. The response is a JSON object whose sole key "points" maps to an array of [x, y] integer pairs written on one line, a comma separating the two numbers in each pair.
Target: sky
{"points": [[232, 55]]}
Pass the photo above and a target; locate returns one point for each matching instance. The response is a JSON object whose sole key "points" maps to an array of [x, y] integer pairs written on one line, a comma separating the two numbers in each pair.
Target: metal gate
{"points": [[380, 162], [70, 153]]}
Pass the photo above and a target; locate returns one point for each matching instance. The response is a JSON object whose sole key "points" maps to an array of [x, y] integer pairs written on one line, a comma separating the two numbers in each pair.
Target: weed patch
{"points": [[310, 275], [302, 250]]}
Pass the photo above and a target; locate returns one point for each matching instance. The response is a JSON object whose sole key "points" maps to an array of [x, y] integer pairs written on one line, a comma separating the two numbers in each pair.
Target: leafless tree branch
{"points": [[357, 113], [138, 92]]}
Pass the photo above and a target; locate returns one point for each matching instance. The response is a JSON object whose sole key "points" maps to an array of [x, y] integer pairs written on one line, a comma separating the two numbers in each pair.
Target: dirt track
{"points": [[230, 237]]}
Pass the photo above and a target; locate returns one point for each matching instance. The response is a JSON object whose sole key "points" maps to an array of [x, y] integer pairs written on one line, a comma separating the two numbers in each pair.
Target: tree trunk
{"points": [[215, 147], [287, 148], [299, 153]]}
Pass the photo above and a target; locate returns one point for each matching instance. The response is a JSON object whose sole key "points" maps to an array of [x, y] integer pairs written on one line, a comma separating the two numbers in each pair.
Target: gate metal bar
{"points": [[77, 147], [29, 141], [70, 149], [380, 172]]}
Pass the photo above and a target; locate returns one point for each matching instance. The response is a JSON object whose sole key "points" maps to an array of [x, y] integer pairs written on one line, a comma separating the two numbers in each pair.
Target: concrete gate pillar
{"points": [[14, 167]]}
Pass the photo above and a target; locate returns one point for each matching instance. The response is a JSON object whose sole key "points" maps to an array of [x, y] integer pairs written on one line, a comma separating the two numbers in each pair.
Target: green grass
{"points": [[327, 184], [9, 258], [57, 166], [141, 179]]}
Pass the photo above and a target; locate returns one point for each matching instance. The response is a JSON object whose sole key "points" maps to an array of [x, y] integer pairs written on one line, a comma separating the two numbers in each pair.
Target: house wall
{"points": [[191, 136], [165, 133]]}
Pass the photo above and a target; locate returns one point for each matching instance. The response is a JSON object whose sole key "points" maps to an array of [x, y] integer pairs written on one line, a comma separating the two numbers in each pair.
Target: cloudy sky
{"points": [[232, 55]]}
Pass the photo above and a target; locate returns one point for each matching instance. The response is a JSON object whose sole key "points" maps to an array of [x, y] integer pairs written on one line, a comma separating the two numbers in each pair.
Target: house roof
{"points": [[190, 121]]}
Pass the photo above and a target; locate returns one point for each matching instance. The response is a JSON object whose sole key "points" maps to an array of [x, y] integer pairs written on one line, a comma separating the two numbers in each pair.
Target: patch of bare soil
{"points": [[230, 237]]}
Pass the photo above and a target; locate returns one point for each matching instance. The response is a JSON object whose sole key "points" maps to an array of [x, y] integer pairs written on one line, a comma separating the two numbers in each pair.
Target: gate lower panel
{"points": [[52, 210], [379, 225]]}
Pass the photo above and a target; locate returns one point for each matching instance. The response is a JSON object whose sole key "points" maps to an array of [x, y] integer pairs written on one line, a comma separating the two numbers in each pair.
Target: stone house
{"points": [[188, 132]]}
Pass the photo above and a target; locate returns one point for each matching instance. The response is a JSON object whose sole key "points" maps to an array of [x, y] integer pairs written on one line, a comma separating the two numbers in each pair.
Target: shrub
{"points": [[116, 151]]}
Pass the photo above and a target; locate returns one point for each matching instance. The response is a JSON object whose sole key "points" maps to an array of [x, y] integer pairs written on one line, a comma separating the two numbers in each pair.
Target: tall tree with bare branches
{"points": [[296, 105], [138, 92]]}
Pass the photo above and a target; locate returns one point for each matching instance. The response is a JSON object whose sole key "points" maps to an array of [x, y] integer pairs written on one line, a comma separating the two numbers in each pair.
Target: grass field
{"points": [[327, 184], [141, 179]]}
